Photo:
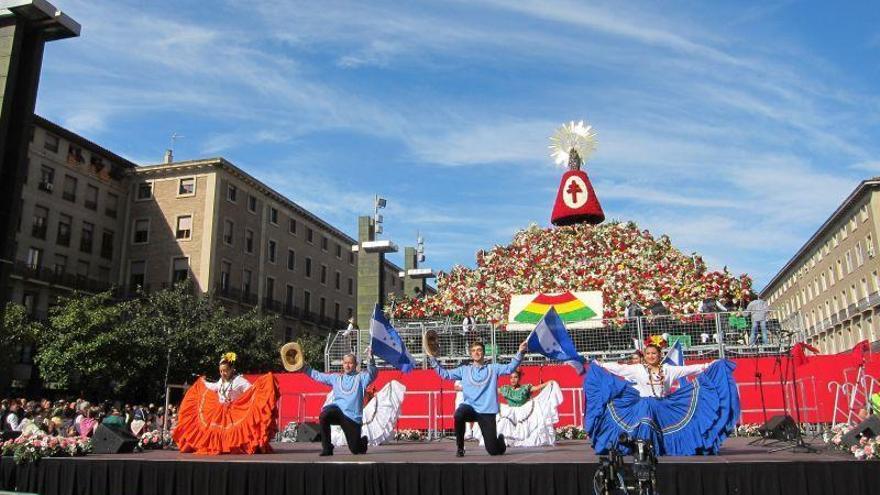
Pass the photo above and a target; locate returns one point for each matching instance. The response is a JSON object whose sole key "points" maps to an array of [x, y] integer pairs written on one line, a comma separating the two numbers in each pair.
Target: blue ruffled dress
{"points": [[695, 419]]}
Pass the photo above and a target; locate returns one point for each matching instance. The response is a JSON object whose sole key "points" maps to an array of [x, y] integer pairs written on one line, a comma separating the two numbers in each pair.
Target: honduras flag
{"points": [[551, 339], [387, 344], [675, 357]]}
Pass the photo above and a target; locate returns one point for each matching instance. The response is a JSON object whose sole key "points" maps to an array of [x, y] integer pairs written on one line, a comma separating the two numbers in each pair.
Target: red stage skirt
{"points": [[205, 426]]}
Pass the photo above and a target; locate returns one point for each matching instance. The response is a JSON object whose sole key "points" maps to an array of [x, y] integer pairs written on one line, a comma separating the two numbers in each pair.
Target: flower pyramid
{"points": [[616, 258]]}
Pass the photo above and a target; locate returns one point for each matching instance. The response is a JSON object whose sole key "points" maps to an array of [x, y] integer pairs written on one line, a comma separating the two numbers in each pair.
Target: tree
{"points": [[17, 331]]}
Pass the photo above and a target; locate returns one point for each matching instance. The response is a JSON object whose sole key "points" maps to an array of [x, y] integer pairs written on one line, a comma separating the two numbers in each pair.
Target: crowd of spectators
{"points": [[79, 418]]}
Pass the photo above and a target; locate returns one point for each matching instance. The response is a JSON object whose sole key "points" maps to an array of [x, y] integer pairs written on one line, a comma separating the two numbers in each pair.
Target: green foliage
{"points": [[122, 349], [313, 349], [17, 330]]}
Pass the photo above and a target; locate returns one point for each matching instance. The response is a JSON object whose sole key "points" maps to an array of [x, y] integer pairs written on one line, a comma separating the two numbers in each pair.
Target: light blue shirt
{"points": [[348, 390], [479, 384]]}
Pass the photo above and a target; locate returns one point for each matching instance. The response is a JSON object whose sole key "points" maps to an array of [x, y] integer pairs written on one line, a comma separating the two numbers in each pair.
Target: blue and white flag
{"points": [[387, 344], [675, 357], [551, 339]]}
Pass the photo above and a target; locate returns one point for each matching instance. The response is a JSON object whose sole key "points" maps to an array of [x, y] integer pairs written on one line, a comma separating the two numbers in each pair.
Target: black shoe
{"points": [[459, 452], [325, 453], [503, 444], [364, 444]]}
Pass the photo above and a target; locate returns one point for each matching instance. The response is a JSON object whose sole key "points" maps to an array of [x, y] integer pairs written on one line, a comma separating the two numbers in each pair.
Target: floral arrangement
{"points": [[867, 448], [154, 440], [616, 258], [409, 435], [658, 340], [30, 448], [570, 432], [748, 430]]}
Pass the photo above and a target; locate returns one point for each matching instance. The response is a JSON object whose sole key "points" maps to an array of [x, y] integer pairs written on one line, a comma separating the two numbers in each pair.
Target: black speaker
{"points": [[308, 432], [868, 428], [11, 435], [107, 440], [780, 427]]}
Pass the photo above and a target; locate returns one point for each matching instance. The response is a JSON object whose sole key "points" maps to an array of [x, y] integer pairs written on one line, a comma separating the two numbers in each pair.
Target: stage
{"points": [[412, 468]]}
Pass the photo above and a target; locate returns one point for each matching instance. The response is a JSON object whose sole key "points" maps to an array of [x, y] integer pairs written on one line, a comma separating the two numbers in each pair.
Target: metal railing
{"points": [[703, 336]]}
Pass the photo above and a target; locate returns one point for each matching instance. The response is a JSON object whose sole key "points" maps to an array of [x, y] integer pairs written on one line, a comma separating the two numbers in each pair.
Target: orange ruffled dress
{"points": [[243, 426]]}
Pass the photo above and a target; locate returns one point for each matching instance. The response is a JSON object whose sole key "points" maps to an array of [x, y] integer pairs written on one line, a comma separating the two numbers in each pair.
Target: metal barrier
{"points": [[703, 336]]}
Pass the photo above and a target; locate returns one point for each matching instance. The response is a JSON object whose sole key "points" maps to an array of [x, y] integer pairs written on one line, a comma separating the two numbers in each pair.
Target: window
{"points": [[310, 235], [104, 273], [322, 307], [180, 270], [144, 191], [69, 192], [246, 276], [865, 290], [863, 211], [111, 205], [350, 312], [231, 193], [270, 251], [338, 251], [350, 258], [249, 241], [291, 259], [86, 238], [291, 226], [225, 271], [82, 268], [350, 286], [324, 274], [270, 288], [47, 178], [229, 232], [849, 264], [336, 311], [308, 268], [62, 238], [839, 270], [288, 334], [35, 258], [853, 224], [141, 231], [830, 276], [184, 227], [869, 246], [860, 254], [307, 300], [338, 281], [51, 142], [273, 215], [875, 278], [75, 154], [252, 203], [107, 245], [60, 264], [323, 243], [137, 274], [186, 187], [91, 197], [97, 163], [288, 299], [40, 222], [843, 233]]}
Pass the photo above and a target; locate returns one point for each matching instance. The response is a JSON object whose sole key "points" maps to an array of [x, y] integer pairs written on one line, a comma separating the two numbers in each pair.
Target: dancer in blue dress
{"points": [[639, 401]]}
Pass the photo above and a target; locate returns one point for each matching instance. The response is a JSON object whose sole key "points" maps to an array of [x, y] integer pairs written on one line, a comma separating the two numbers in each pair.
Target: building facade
{"points": [[832, 283], [92, 220]]}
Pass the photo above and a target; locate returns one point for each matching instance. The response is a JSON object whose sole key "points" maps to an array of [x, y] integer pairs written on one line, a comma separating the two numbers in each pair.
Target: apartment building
{"points": [[92, 220], [832, 284], [242, 242]]}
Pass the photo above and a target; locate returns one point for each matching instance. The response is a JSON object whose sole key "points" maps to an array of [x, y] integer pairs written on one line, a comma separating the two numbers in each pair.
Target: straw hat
{"points": [[292, 356], [431, 343]]}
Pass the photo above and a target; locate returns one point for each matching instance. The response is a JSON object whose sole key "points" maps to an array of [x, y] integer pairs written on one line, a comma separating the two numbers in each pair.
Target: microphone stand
{"points": [[760, 382], [799, 445]]}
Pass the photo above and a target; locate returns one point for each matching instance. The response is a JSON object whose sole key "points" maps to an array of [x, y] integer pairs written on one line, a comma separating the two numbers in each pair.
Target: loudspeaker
{"points": [[107, 440], [868, 428], [781, 427], [10, 435], [308, 432]]}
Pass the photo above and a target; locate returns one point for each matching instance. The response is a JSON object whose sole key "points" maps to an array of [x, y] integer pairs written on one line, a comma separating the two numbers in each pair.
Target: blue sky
{"points": [[734, 129]]}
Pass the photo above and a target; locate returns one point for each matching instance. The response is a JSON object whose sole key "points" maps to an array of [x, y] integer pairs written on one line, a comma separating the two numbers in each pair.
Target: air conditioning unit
{"points": [[49, 186]]}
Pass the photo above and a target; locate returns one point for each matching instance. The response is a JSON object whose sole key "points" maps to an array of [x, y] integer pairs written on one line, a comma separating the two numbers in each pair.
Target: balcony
{"points": [[39, 231], [227, 292], [270, 304], [46, 186], [58, 278], [291, 310], [874, 299]]}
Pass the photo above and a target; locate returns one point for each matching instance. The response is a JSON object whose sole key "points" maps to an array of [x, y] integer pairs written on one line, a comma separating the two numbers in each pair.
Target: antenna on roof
{"points": [[169, 153]]}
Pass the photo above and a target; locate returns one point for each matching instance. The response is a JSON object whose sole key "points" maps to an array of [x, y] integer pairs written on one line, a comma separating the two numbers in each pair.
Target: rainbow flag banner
{"points": [[576, 309]]}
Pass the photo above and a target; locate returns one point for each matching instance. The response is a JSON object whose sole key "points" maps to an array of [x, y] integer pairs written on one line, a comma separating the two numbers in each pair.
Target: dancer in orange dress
{"points": [[229, 416]]}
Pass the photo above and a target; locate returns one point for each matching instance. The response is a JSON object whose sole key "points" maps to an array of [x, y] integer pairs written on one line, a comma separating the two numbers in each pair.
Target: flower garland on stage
{"points": [[616, 258], [30, 448]]}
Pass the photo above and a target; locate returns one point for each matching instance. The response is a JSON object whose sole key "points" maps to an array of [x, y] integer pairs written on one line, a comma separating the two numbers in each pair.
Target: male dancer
{"points": [[479, 383], [347, 407]]}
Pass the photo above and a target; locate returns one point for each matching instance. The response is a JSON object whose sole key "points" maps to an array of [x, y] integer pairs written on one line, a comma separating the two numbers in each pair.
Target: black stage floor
{"points": [[432, 468]]}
